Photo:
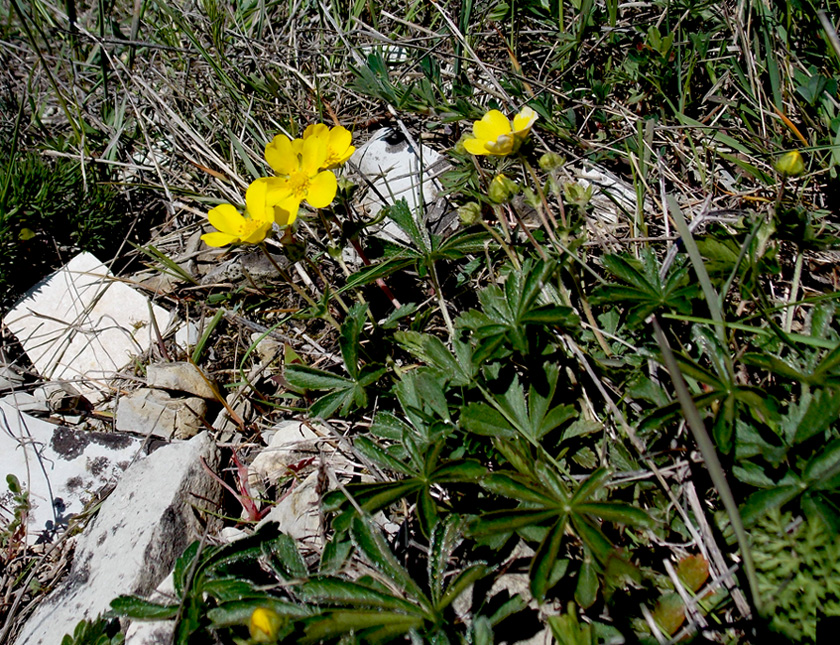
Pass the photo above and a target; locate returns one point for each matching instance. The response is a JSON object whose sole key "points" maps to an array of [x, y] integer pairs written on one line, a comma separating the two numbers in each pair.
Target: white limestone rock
{"points": [[181, 377], [141, 528], [81, 325], [62, 469], [154, 412]]}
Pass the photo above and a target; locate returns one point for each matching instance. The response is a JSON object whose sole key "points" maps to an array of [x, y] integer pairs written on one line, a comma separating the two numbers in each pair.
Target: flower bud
{"points": [[577, 195], [469, 213], [551, 161], [502, 189], [264, 626], [790, 164]]}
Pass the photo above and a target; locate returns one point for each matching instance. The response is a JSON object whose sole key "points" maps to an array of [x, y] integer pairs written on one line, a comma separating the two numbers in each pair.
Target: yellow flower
{"points": [[496, 135], [231, 227], [264, 625], [300, 176], [791, 164], [338, 141]]}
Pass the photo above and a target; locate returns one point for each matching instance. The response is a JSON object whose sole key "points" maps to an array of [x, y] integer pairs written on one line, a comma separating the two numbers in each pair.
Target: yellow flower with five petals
{"points": [[232, 227], [496, 135], [299, 166]]}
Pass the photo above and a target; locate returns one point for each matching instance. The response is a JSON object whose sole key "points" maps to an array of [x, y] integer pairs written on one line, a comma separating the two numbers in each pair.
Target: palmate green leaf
{"points": [[235, 613], [311, 378], [342, 399], [283, 557], [351, 331], [644, 288], [458, 371], [142, 609], [821, 412], [369, 626], [375, 550], [380, 456], [381, 270], [402, 216], [544, 560], [762, 502], [481, 419], [824, 465], [616, 512], [334, 591], [517, 487]]}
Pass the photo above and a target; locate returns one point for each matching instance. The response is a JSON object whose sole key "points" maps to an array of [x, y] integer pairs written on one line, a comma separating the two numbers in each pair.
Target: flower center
{"points": [[299, 184]]}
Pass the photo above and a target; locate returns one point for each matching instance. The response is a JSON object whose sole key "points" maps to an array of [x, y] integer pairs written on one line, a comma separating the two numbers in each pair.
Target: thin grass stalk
{"points": [[710, 456]]}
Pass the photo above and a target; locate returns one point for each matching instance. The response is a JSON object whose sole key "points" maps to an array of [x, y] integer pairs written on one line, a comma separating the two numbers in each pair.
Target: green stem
{"points": [[794, 289], [441, 302], [297, 289]]}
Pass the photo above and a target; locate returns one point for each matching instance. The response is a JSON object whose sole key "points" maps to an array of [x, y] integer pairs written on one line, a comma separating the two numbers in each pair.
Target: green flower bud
{"points": [[469, 213], [577, 195], [790, 164], [551, 161], [502, 189]]}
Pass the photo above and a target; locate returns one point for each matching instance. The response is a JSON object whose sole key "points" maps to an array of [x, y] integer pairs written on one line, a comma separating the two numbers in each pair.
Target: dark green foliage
{"points": [[48, 217]]}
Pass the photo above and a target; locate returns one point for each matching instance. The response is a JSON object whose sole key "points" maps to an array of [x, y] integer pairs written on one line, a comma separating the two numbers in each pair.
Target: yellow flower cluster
{"points": [[303, 173]]}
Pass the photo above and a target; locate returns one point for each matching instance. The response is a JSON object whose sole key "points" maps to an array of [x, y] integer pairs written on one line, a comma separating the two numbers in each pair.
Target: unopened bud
{"points": [[551, 161], [791, 164], [469, 213], [502, 189]]}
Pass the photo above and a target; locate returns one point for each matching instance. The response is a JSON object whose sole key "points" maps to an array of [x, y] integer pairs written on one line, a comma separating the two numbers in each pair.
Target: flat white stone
{"points": [[61, 468], [80, 324]]}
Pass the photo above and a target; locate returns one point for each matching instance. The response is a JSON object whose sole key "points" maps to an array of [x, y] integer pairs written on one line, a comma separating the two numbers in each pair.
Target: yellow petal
{"points": [[286, 211], [276, 190], [523, 121], [218, 239], [340, 138], [322, 190], [475, 147], [281, 155], [314, 155], [258, 234], [255, 200], [285, 218], [226, 218], [316, 130], [492, 125], [501, 146]]}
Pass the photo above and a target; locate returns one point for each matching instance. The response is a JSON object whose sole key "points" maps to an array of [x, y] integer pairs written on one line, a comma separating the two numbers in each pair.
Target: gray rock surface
{"points": [[154, 412], [181, 377], [60, 468], [142, 527]]}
